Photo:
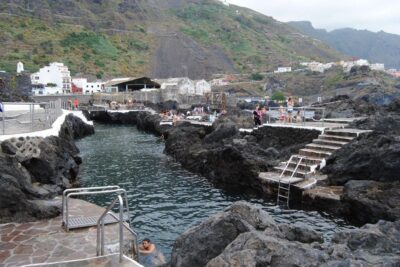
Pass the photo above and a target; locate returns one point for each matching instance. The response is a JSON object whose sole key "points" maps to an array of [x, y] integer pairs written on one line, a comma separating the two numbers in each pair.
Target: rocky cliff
{"points": [[33, 170], [245, 235]]}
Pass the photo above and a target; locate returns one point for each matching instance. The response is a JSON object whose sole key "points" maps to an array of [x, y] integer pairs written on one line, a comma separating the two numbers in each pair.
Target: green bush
{"points": [[256, 77], [278, 96]]}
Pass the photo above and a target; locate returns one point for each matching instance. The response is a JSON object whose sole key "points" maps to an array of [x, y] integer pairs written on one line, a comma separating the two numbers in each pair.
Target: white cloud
{"points": [[373, 15]]}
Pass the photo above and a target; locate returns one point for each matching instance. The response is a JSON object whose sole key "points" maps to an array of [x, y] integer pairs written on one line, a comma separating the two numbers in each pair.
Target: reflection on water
{"points": [[165, 199]]}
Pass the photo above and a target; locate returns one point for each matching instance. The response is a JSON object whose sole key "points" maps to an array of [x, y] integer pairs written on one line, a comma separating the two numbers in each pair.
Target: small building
{"points": [[20, 67], [377, 66], [52, 79], [202, 87], [86, 87], [129, 84], [283, 69]]}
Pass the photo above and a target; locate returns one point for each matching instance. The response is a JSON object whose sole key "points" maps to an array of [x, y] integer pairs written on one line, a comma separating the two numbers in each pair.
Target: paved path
{"points": [[47, 241]]}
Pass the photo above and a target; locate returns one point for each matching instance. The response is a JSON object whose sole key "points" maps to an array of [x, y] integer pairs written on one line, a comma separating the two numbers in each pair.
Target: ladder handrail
{"points": [[287, 165], [76, 192], [295, 170], [289, 183], [120, 218], [136, 248]]}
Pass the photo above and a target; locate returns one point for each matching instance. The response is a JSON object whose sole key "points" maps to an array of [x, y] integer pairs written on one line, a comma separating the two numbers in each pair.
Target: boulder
{"points": [[33, 170], [245, 235], [371, 201], [200, 244], [74, 128], [374, 156]]}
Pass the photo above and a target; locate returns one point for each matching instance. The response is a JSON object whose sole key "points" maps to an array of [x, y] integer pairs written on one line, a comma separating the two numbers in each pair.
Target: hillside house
{"points": [[84, 87], [202, 87], [129, 84], [52, 79], [283, 69]]}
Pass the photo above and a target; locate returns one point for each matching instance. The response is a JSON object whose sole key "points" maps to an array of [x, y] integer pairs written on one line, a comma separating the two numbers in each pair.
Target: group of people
{"points": [[259, 116], [286, 114]]}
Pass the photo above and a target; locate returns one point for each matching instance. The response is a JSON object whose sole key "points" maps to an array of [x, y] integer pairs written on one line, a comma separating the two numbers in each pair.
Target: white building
{"points": [[317, 66], [377, 66], [20, 67], [88, 87], [283, 69], [52, 79], [202, 87]]}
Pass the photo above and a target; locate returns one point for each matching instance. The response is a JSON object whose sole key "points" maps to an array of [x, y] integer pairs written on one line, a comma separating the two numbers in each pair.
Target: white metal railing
{"points": [[299, 115], [100, 229], [123, 218], [280, 184]]}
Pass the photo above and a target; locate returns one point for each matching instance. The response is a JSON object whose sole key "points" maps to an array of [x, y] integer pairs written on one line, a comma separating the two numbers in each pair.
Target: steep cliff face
{"points": [[33, 170]]}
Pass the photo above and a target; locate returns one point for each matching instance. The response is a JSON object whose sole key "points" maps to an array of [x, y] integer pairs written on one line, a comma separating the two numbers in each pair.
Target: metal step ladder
{"points": [[283, 196], [74, 222], [107, 217]]}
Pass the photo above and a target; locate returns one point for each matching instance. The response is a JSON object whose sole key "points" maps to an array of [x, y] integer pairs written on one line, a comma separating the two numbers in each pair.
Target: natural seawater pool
{"points": [[164, 199]]}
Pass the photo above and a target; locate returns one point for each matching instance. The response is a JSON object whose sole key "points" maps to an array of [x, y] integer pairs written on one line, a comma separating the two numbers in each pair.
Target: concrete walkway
{"points": [[46, 241]]}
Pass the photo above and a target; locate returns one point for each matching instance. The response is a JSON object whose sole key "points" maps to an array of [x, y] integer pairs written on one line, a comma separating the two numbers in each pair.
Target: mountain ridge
{"points": [[377, 47], [157, 38]]}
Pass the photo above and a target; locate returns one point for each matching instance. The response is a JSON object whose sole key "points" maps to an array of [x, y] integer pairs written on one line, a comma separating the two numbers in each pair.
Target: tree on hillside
{"points": [[256, 77], [278, 96]]}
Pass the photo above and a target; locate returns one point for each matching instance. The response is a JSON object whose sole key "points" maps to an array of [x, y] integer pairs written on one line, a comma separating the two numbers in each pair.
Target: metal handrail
{"points": [[287, 164], [136, 247], [87, 191], [295, 170], [100, 229]]}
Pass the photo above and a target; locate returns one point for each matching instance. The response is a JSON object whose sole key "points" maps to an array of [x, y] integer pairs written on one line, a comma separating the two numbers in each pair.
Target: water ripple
{"points": [[165, 199]]}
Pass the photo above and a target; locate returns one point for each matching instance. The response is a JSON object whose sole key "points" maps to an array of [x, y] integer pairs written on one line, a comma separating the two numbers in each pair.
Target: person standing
{"points": [[257, 116], [76, 103], [290, 105]]}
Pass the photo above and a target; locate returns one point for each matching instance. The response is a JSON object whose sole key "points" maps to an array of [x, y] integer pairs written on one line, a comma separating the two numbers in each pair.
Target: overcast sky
{"points": [[373, 15]]}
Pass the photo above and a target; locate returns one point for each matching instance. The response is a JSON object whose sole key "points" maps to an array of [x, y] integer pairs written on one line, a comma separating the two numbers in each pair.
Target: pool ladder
{"points": [[283, 196], [107, 217]]}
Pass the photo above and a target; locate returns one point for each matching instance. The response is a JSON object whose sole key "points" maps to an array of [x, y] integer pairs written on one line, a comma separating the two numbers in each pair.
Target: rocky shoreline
{"points": [[245, 235], [366, 170], [33, 170]]}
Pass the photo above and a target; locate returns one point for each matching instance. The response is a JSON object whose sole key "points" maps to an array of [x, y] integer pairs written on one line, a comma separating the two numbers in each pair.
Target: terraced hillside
{"points": [[160, 38]]}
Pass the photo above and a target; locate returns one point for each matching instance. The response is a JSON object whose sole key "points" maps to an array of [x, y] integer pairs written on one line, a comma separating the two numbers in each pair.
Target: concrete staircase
{"points": [[313, 157]]}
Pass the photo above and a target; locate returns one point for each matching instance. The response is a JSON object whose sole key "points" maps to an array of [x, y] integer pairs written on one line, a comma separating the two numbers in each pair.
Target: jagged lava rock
{"points": [[33, 170], [245, 235]]}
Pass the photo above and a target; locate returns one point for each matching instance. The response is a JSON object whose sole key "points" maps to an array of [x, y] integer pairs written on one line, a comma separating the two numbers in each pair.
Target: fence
{"points": [[28, 117], [299, 115]]}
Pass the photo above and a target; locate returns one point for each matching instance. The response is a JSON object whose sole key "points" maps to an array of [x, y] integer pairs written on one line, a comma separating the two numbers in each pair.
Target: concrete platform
{"points": [[46, 241], [272, 179], [104, 261]]}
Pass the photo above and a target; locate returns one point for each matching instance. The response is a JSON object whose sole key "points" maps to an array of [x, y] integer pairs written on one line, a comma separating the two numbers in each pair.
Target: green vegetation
{"points": [[256, 76], [278, 96], [107, 42]]}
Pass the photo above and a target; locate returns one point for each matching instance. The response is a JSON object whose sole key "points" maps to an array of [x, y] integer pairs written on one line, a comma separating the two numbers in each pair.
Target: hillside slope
{"points": [[160, 38], [379, 47]]}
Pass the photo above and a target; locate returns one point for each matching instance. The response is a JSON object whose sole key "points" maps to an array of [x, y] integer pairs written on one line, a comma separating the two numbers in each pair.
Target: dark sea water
{"points": [[164, 199]]}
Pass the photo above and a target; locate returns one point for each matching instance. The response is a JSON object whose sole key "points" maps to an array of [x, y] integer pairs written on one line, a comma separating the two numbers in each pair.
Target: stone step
{"points": [[302, 166], [308, 160], [323, 148], [325, 142], [289, 172], [335, 138], [346, 132], [314, 153]]}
